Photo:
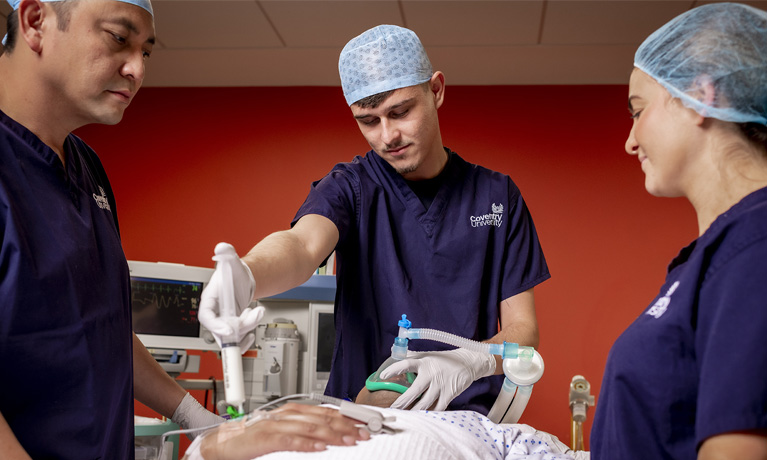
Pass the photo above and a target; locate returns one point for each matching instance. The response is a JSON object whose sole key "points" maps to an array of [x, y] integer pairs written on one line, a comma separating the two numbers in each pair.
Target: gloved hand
{"points": [[244, 287], [442, 375], [191, 414]]}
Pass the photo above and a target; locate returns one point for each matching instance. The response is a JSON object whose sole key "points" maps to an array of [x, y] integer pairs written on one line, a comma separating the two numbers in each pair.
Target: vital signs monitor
{"points": [[165, 300]]}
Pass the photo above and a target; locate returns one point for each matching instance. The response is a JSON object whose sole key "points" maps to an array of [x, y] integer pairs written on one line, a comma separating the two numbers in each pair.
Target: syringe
{"points": [[231, 355]]}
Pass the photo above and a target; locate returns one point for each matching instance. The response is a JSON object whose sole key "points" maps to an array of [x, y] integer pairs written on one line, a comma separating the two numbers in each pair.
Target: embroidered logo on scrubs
{"points": [[661, 305], [102, 201], [495, 218]]}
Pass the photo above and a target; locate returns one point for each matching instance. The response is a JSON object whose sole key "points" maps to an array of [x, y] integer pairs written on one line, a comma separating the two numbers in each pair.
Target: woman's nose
{"points": [[631, 144]]}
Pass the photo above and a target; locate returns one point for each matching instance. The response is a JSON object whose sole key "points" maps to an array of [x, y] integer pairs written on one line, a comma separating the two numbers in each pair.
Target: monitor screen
{"points": [[322, 337], [165, 306], [165, 300], [326, 337]]}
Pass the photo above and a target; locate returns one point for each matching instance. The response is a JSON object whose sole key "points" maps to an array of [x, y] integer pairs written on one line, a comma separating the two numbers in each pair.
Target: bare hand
{"points": [[292, 427]]}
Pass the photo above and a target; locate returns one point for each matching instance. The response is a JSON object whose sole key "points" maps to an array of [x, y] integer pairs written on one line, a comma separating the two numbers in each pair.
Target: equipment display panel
{"points": [[165, 300]]}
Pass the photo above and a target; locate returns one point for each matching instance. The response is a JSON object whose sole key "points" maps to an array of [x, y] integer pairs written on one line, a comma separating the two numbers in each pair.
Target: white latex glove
{"points": [[191, 414], [442, 375], [244, 288]]}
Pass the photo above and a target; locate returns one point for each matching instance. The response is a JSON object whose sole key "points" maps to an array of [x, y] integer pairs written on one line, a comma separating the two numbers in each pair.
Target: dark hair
{"points": [[63, 10], [12, 24], [755, 133], [371, 102]]}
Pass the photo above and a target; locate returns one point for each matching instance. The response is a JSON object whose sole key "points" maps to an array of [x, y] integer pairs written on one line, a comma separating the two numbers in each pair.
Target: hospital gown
{"points": [[449, 435]]}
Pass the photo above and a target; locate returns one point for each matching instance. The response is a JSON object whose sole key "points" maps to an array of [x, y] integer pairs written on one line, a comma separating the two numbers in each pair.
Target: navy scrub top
{"points": [[694, 364], [447, 267], [65, 319]]}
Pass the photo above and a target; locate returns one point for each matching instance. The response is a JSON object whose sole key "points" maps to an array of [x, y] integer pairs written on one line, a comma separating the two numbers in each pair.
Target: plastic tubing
{"points": [[518, 405], [503, 401], [452, 339], [525, 365]]}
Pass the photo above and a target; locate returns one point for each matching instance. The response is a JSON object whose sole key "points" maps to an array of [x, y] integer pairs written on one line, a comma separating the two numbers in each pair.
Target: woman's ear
{"points": [[703, 90]]}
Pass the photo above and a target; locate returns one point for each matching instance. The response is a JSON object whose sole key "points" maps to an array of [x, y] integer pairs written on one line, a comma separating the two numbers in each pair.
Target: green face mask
{"points": [[400, 383]]}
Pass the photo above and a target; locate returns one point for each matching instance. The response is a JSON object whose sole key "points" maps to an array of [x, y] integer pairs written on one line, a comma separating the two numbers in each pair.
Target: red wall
{"points": [[194, 166]]}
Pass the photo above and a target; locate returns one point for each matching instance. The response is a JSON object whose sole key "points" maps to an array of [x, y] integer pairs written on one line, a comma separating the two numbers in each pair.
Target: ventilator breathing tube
{"points": [[452, 339], [522, 366]]}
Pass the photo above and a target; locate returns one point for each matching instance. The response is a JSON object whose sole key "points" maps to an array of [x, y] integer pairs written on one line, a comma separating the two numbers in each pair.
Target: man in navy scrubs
{"points": [[66, 344], [417, 230]]}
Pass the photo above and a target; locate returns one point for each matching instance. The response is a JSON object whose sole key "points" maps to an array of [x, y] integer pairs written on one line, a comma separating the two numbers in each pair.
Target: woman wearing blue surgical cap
{"points": [[688, 379]]}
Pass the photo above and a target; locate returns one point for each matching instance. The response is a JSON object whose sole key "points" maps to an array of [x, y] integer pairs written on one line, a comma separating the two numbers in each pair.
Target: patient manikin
{"points": [[441, 435]]}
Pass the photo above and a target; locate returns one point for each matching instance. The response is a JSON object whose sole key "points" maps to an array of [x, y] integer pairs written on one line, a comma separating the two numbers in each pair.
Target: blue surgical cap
{"points": [[382, 59], [721, 43], [146, 4]]}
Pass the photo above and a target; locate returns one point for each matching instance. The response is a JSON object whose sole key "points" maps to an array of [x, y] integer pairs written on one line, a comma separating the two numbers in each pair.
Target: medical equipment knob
{"points": [[580, 399]]}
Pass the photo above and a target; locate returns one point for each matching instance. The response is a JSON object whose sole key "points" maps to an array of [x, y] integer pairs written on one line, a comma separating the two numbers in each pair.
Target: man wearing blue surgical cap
{"points": [[66, 345], [417, 230]]}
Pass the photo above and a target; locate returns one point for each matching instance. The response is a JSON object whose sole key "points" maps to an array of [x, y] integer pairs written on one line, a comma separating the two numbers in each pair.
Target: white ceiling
{"points": [[474, 42]]}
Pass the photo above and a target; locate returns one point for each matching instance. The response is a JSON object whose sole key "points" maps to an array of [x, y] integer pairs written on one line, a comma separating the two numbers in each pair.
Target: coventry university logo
{"points": [[102, 201], [660, 307], [495, 218]]}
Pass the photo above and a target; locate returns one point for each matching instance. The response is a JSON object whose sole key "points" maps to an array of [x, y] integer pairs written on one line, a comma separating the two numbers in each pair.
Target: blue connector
{"points": [[399, 349], [510, 350]]}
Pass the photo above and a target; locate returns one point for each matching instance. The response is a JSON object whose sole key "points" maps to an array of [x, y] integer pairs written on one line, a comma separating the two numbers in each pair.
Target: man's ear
{"points": [[437, 88], [31, 17]]}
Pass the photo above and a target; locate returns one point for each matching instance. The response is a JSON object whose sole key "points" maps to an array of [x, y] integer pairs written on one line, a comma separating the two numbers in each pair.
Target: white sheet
{"points": [[451, 435]]}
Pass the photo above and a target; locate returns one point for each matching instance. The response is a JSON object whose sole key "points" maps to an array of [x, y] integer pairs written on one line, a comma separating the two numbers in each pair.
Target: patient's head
{"points": [[378, 398], [385, 397]]}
